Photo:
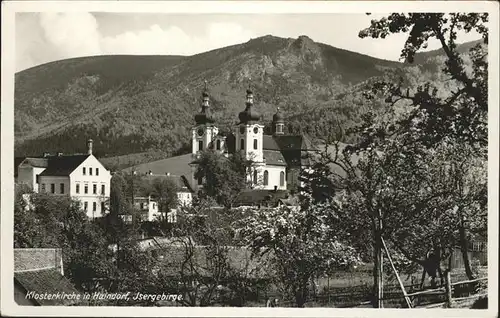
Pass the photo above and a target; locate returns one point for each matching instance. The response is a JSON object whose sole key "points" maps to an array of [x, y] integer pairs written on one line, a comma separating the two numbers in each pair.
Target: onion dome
{"points": [[249, 114], [204, 116], [278, 117]]}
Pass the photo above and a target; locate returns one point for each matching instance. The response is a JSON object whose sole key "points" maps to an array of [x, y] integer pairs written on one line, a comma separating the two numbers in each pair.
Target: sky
{"points": [[49, 36]]}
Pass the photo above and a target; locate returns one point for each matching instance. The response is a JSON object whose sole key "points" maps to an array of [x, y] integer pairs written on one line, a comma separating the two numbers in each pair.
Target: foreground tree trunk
{"points": [[464, 248], [378, 285]]}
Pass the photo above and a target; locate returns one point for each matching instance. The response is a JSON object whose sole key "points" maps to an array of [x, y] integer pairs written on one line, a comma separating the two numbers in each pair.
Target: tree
{"points": [[200, 255], [224, 178], [299, 244], [462, 114], [50, 221], [443, 117]]}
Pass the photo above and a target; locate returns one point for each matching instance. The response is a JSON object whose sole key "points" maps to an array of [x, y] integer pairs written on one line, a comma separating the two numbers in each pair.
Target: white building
{"points": [[148, 208], [82, 177]]}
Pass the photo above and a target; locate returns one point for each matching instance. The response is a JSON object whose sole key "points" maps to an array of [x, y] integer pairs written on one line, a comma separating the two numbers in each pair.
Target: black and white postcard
{"points": [[274, 158]]}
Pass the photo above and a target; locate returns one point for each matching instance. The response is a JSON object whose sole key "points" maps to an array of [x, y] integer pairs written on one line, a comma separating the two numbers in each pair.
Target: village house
{"points": [[81, 176]]}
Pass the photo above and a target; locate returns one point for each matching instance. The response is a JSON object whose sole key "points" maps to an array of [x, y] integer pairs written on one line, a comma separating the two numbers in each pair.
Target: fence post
{"points": [[449, 299]]}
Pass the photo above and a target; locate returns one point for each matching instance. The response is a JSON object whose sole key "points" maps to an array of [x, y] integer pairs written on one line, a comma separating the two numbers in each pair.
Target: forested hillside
{"points": [[146, 104]]}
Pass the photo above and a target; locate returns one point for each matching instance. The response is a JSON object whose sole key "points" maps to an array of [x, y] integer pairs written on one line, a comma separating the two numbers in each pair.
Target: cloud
{"points": [[75, 34], [72, 33]]}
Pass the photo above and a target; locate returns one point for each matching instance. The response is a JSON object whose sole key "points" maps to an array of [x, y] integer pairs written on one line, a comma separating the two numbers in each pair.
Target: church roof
{"points": [[62, 165], [274, 158]]}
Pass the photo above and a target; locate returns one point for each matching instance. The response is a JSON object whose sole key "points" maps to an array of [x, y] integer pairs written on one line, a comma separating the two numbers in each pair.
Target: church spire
{"points": [[204, 116], [249, 114]]}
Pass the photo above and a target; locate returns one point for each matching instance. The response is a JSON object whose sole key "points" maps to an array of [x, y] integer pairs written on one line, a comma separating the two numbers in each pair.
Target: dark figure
{"points": [[432, 266]]}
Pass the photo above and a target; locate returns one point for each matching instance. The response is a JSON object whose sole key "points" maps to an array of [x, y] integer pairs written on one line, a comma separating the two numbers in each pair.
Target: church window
{"points": [[266, 177], [255, 144], [256, 130], [255, 175], [218, 145], [242, 144], [279, 128], [200, 145], [282, 179]]}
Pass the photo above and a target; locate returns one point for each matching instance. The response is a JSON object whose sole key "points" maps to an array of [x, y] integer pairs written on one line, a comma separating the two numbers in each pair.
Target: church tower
{"points": [[278, 123], [249, 133], [204, 132]]}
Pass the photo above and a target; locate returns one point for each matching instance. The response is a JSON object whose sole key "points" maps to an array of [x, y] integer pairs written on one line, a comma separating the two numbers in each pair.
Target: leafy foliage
{"points": [[302, 244]]}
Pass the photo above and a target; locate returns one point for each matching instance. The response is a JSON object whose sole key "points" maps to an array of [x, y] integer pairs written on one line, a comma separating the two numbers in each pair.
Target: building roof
{"points": [[178, 166], [63, 165], [260, 197], [48, 281], [39, 270], [274, 158], [36, 258], [36, 162]]}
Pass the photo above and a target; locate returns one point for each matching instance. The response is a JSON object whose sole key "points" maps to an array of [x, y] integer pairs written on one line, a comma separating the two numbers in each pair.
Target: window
{"points": [[266, 178], [200, 145], [84, 171], [77, 188], [62, 188], [43, 187], [53, 188], [103, 207], [218, 145], [255, 144], [200, 180], [86, 189], [255, 175], [94, 188], [85, 206], [279, 128], [90, 171], [242, 144], [96, 171], [154, 205], [103, 189], [94, 206], [282, 179]]}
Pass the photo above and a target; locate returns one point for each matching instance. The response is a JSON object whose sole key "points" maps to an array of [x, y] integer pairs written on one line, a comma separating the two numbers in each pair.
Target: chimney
{"points": [[59, 154], [46, 154], [89, 146]]}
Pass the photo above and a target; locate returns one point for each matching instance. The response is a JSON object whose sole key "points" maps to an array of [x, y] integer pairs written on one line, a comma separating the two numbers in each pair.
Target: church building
{"points": [[277, 157]]}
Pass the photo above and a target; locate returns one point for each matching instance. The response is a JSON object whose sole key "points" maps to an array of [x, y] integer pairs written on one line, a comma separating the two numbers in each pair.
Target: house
{"points": [[148, 208], [81, 176], [278, 158], [38, 271]]}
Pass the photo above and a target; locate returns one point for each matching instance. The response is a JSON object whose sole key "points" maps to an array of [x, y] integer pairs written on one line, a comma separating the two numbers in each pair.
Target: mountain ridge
{"points": [[131, 104]]}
